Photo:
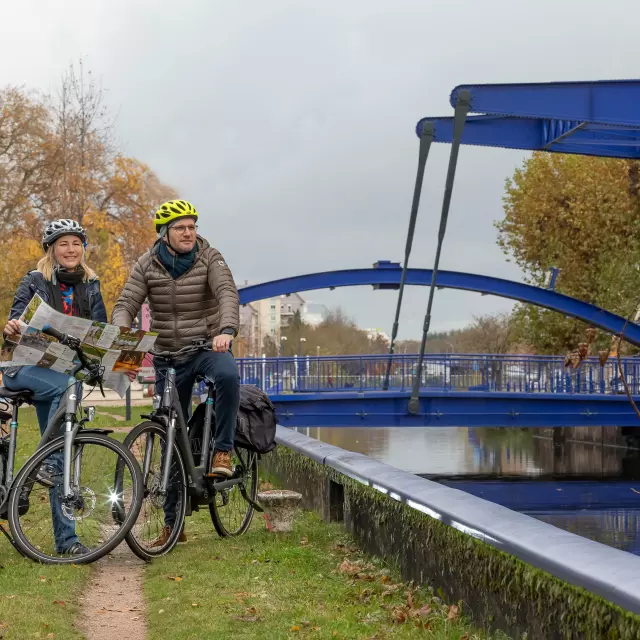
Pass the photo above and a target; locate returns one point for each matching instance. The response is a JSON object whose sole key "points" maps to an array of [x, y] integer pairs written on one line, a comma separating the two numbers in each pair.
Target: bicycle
{"points": [[55, 480], [176, 470]]}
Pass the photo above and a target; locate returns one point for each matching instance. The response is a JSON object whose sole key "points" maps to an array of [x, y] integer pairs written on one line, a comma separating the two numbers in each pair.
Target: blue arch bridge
{"points": [[455, 390]]}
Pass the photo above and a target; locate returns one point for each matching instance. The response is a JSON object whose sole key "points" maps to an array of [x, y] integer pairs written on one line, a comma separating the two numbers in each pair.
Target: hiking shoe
{"points": [[162, 539], [221, 465], [77, 549]]}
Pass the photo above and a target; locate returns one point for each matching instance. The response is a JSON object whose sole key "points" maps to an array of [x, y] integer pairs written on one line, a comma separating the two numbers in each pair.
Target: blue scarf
{"points": [[176, 264]]}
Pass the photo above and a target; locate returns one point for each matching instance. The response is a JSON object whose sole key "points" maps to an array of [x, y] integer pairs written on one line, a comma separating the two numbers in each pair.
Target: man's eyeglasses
{"points": [[184, 228]]}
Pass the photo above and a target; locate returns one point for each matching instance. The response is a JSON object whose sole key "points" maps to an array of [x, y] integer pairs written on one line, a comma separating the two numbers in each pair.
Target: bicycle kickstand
{"points": [[8, 536]]}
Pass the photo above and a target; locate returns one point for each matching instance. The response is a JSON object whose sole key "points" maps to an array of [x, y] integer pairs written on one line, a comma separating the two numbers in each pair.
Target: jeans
{"points": [[48, 387], [222, 370]]}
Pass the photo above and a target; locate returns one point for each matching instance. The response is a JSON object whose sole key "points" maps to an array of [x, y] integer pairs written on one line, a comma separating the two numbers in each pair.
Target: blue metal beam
{"points": [[606, 101], [452, 409], [389, 276], [558, 136]]}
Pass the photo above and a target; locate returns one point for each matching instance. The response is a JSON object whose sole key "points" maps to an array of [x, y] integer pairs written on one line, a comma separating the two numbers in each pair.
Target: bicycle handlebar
{"points": [[72, 343]]}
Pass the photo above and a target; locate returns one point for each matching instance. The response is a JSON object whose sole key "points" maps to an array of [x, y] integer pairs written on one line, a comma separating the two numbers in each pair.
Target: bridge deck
{"points": [[453, 409]]}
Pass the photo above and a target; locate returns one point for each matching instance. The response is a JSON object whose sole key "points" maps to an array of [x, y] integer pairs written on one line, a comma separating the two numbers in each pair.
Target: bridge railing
{"points": [[444, 372]]}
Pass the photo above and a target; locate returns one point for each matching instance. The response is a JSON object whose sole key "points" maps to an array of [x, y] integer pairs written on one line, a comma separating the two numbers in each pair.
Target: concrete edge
{"points": [[610, 573]]}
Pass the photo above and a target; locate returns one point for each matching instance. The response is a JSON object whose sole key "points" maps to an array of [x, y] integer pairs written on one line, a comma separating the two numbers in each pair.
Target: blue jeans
{"points": [[221, 368], [48, 387]]}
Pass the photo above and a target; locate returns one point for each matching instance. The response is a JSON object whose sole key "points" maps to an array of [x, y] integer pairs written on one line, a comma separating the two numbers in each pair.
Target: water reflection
{"points": [[585, 480]]}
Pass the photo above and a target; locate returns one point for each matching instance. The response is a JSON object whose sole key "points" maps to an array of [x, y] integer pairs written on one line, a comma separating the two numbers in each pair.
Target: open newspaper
{"points": [[118, 349]]}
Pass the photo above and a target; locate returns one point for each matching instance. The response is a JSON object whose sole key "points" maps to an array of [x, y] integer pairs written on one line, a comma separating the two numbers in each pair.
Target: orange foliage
{"points": [[57, 161]]}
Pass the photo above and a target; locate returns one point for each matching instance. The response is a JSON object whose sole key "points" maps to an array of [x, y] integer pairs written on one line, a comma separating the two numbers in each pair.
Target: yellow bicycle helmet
{"points": [[173, 209]]}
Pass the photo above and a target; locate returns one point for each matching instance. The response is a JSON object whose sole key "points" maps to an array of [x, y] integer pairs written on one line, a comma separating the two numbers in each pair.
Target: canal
{"points": [[585, 480]]}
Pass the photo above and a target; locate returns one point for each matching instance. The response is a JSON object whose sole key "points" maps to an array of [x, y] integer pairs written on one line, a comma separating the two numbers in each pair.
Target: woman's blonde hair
{"points": [[48, 262]]}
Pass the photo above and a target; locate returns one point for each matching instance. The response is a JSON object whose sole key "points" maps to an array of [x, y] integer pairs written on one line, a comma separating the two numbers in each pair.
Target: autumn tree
{"points": [[581, 215], [336, 335], [58, 159], [488, 334]]}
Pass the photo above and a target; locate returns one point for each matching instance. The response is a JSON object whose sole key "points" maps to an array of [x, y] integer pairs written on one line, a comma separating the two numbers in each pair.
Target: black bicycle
{"points": [[66, 489], [174, 463]]}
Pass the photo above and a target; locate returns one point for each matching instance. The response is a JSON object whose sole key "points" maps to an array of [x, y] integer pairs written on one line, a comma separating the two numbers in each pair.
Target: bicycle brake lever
{"points": [[101, 389]]}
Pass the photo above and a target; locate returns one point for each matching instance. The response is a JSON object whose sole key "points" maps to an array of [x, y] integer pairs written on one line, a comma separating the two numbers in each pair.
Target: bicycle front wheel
{"points": [[161, 518], [50, 527], [231, 513]]}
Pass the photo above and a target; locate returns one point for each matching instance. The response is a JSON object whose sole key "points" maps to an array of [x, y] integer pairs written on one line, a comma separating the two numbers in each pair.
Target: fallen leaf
{"points": [[399, 615], [454, 612], [304, 541], [60, 602], [365, 596], [350, 568], [391, 588], [175, 578], [423, 612], [195, 604], [295, 628], [51, 635], [316, 628], [43, 579], [385, 579], [161, 611]]}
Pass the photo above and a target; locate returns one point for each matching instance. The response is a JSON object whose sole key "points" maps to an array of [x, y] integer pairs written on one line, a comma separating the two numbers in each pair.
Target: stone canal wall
{"points": [[511, 571]]}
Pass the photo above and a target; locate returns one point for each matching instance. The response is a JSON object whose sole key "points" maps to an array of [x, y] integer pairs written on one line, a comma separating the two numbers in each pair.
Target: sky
{"points": [[290, 124]]}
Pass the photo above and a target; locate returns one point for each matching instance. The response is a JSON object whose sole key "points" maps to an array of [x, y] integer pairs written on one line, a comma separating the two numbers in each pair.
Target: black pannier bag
{"points": [[255, 425]]}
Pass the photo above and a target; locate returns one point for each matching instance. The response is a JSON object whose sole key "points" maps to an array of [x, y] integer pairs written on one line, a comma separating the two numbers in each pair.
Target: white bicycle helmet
{"points": [[62, 227]]}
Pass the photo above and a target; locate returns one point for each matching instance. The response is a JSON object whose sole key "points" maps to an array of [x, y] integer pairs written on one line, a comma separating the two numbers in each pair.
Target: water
{"points": [[585, 480]]}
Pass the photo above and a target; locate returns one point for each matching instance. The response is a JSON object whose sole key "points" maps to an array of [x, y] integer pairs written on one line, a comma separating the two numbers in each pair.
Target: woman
{"points": [[64, 281]]}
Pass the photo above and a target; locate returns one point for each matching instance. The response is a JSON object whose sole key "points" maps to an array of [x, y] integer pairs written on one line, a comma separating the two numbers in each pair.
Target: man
{"points": [[191, 296]]}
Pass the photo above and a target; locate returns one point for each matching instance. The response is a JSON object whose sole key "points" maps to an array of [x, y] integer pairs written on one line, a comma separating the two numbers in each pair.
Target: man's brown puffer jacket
{"points": [[199, 304]]}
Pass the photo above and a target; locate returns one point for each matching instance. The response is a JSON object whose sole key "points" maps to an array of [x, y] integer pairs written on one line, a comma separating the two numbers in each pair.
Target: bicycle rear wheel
{"points": [[46, 525], [149, 537], [230, 513]]}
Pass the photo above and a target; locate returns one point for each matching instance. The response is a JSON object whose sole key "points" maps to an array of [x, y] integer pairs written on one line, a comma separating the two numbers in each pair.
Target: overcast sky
{"points": [[290, 124]]}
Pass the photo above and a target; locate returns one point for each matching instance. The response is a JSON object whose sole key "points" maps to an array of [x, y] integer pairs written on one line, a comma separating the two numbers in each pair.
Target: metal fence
{"points": [[445, 372]]}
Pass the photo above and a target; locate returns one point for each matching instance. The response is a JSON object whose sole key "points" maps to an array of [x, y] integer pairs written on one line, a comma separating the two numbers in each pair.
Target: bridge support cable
{"points": [[426, 139], [463, 104]]}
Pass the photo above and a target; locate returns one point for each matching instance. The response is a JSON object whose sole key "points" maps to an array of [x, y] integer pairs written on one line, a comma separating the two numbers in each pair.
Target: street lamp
{"points": [[452, 349], [281, 339], [300, 346]]}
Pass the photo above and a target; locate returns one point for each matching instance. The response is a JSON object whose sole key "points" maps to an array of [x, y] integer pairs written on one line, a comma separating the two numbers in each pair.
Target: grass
{"points": [[36, 600], [103, 419], [312, 583]]}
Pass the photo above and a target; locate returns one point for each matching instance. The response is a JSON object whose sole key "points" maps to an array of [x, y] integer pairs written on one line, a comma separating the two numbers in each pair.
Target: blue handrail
{"points": [[447, 372]]}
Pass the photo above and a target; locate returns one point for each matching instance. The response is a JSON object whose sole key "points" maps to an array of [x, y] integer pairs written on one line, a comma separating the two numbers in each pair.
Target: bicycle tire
{"points": [[216, 510], [33, 464], [145, 552]]}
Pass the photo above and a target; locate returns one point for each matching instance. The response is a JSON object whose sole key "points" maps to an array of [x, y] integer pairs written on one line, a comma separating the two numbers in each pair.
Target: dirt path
{"points": [[113, 606]]}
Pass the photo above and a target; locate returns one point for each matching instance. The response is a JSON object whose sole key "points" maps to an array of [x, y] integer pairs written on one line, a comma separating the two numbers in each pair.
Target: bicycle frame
{"points": [[171, 402], [199, 485]]}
